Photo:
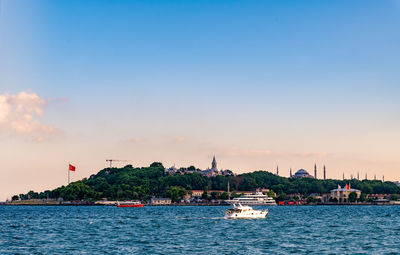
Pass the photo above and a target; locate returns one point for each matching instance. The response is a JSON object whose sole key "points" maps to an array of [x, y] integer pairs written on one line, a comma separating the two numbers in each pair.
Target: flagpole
{"points": [[68, 174]]}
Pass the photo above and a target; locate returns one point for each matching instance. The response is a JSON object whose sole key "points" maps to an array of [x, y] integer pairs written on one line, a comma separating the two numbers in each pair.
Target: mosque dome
{"points": [[301, 173]]}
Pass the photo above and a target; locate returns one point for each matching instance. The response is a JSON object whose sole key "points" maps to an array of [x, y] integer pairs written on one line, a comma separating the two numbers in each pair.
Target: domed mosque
{"points": [[302, 174]]}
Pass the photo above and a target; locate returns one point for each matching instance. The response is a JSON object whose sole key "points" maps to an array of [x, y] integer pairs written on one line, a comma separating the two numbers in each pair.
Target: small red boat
{"points": [[129, 204]]}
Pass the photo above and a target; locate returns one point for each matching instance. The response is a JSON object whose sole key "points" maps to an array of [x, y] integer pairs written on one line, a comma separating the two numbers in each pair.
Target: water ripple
{"points": [[199, 230]]}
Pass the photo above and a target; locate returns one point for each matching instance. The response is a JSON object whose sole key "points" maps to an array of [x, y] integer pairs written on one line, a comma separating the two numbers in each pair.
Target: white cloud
{"points": [[21, 113]]}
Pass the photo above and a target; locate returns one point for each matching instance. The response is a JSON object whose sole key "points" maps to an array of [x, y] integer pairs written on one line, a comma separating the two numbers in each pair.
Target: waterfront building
{"points": [[325, 197], [342, 194], [160, 201], [378, 196], [199, 193], [302, 174]]}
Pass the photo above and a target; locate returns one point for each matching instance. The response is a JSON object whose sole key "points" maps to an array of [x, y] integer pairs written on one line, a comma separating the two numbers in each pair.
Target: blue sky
{"points": [[258, 83]]}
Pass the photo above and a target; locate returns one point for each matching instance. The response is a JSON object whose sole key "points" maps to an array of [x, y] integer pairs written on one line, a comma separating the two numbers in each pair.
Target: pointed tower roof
{"points": [[214, 163], [315, 171]]}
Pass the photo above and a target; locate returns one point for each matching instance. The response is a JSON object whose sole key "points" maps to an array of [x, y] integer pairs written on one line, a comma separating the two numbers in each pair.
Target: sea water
{"points": [[198, 230]]}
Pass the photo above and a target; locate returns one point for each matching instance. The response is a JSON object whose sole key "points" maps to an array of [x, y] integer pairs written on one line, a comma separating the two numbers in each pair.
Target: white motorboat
{"points": [[245, 212], [254, 199]]}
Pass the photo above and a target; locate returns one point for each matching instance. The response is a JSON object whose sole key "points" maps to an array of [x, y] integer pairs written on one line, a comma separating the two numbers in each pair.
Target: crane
{"points": [[111, 160]]}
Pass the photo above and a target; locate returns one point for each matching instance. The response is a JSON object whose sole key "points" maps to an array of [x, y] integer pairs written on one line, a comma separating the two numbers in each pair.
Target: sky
{"points": [[255, 83]]}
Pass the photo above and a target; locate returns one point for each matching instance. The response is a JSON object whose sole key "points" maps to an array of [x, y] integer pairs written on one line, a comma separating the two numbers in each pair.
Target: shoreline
{"points": [[335, 204]]}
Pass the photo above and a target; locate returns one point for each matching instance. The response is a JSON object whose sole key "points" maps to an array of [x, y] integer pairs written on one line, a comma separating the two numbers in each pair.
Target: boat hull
{"points": [[260, 215], [140, 205], [231, 202]]}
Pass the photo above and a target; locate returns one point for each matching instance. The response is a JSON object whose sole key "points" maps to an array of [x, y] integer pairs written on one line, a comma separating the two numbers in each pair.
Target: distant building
{"points": [[213, 171], [302, 174], [378, 196], [209, 172], [214, 164], [172, 170], [342, 194], [160, 201], [197, 193]]}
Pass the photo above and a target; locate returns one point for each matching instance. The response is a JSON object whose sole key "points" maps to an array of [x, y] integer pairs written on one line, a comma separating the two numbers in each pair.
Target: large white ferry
{"points": [[245, 212], [255, 199]]}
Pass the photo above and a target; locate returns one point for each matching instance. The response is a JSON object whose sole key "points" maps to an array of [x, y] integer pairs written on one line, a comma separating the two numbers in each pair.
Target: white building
{"points": [[160, 201], [342, 194]]}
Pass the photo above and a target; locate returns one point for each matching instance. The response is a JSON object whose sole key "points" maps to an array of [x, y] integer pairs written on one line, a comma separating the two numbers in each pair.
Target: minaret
{"points": [[315, 171], [324, 172], [375, 177], [290, 172], [277, 170], [383, 178], [358, 175], [343, 176], [366, 176], [351, 177], [214, 164]]}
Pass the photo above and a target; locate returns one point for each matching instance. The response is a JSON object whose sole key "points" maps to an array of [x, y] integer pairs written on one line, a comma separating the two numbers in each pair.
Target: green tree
{"points": [[157, 165], [33, 195], [14, 198], [143, 182], [271, 193], [363, 197], [176, 193], [311, 200], [281, 197], [394, 197], [234, 194], [214, 195], [352, 197], [205, 193], [224, 196]]}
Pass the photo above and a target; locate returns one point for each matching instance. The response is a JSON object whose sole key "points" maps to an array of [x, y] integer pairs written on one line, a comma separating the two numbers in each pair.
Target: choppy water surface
{"points": [[198, 230]]}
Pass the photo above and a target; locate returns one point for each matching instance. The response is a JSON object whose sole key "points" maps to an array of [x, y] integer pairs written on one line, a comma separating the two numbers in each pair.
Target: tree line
{"points": [[145, 182]]}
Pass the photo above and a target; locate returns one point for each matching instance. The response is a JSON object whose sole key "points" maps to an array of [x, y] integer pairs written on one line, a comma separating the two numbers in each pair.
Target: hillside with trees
{"points": [[145, 182]]}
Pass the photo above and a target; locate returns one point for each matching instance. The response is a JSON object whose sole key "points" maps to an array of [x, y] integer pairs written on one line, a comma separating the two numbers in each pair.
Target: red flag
{"points": [[347, 186], [71, 168]]}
